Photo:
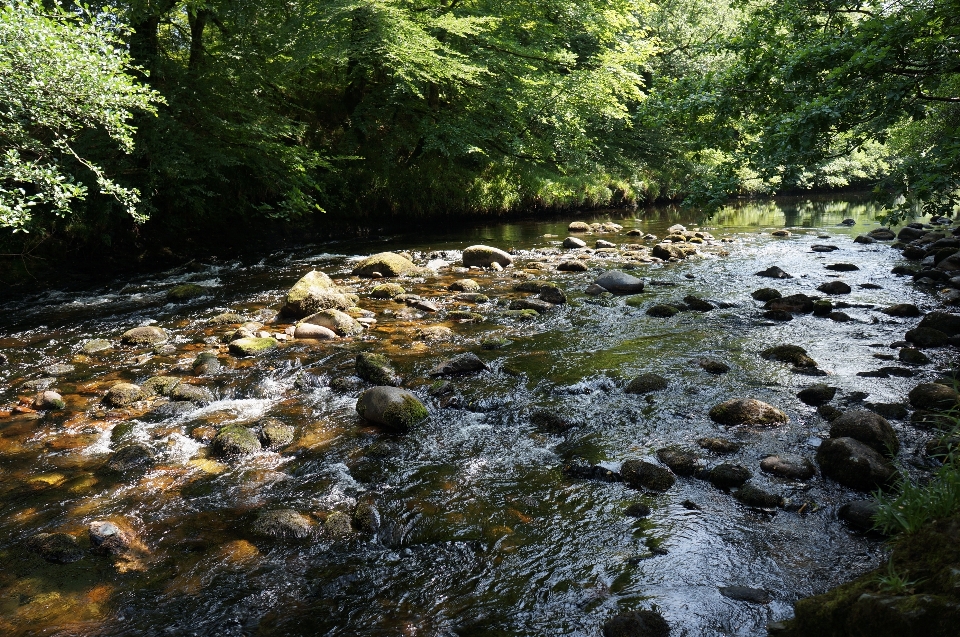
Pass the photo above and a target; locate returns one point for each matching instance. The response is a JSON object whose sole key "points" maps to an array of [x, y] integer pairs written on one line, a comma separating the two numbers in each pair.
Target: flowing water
{"points": [[481, 532]]}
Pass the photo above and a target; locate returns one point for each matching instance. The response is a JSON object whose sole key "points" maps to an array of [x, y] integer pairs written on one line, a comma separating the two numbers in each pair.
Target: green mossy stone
{"points": [[392, 407], [252, 346], [387, 291], [275, 434], [461, 315], [160, 385], [235, 440], [122, 394], [144, 336], [376, 369], [646, 383], [522, 315], [663, 311], [185, 292], [793, 354], [227, 318], [338, 524], [386, 264], [96, 345]]}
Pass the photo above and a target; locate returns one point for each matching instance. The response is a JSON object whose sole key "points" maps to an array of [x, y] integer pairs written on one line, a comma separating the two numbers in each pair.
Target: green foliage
{"points": [[895, 582], [62, 76]]}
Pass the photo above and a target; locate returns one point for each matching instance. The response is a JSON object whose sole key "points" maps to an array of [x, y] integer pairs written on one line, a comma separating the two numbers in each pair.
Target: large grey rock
{"points": [[384, 264], [869, 428], [143, 336], [747, 411], [485, 256], [315, 291], [461, 364], [122, 394], [309, 331], [235, 440], [573, 242], [339, 322], [854, 464], [391, 407], [619, 282]]}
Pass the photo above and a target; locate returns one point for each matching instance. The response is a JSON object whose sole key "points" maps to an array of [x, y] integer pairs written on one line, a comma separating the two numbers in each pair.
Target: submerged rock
{"points": [[274, 433], [793, 354], [718, 445], [485, 256], [639, 623], [550, 421], [681, 461], [96, 345], [384, 264], [185, 292], [235, 440], [59, 548], [854, 464], [391, 407], [107, 538], [639, 474], [754, 496], [747, 411], [252, 346], [713, 366], [860, 514], [746, 594], [283, 524], [663, 311]]}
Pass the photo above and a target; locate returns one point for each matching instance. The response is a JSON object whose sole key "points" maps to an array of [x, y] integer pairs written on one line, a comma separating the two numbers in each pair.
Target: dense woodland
{"points": [[170, 118]]}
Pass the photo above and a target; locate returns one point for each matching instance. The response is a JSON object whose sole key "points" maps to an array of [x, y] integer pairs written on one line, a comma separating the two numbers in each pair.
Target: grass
{"points": [[895, 582]]}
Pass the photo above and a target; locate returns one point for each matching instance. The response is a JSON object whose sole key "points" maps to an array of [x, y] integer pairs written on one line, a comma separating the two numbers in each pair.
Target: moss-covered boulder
{"points": [[795, 304], [638, 623], [226, 318], [646, 383], [945, 322], [135, 455], [728, 476], [235, 440], [387, 291], [855, 464], [144, 336], [59, 548], [384, 264], [283, 524], [934, 397], [927, 337], [765, 294], [464, 285], [376, 369], [315, 291], [663, 311], [640, 474], [485, 256], [793, 354], [96, 345], [522, 315], [252, 346], [122, 394], [206, 363], [192, 393], [747, 411], [338, 524], [160, 385], [668, 251], [869, 428], [185, 292], [339, 322], [391, 407], [274, 433], [48, 401]]}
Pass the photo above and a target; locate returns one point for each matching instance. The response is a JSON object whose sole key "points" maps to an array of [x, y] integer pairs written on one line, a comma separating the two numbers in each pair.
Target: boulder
{"points": [[572, 266], [754, 496], [578, 226], [235, 440], [860, 514], [536, 305], [619, 282], [550, 421], [106, 538], [902, 310], [788, 466], [646, 383], [834, 287], [747, 411], [387, 291], [376, 369], [945, 322], [464, 285], [728, 476], [793, 354], [339, 322], [639, 623], [864, 239], [908, 234], [795, 303], [59, 548], [274, 433], [485, 256], [185, 292], [309, 331], [765, 294], [315, 291], [869, 428], [841, 267], [854, 464], [384, 264], [912, 356], [662, 311], [160, 385], [252, 346], [122, 394], [926, 337], [283, 524], [191, 393], [133, 456], [461, 364], [366, 517], [96, 345], [681, 461], [746, 594], [639, 474], [774, 272], [697, 304], [604, 244], [934, 396], [667, 251], [391, 407], [144, 336], [573, 243], [713, 366], [206, 363], [551, 293], [48, 401], [882, 234], [817, 395], [338, 524]]}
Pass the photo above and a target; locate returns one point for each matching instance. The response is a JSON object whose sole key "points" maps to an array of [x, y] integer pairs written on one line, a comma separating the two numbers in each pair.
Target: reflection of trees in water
{"points": [[790, 213]]}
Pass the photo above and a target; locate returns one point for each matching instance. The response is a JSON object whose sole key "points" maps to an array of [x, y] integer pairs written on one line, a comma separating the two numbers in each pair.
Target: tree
{"points": [[62, 76]]}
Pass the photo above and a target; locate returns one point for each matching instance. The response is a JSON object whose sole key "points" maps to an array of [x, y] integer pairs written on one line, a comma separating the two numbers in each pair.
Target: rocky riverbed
{"points": [[522, 429]]}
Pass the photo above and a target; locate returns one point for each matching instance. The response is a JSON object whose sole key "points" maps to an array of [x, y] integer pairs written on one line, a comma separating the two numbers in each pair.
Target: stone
{"points": [[206, 363], [144, 336], [461, 364], [338, 524], [133, 456], [746, 594], [464, 285], [639, 474], [578, 226], [48, 401], [226, 318], [59, 369], [841, 267], [860, 514], [681, 461], [637, 510], [572, 266], [376, 369], [387, 291], [788, 466], [619, 282], [817, 395], [908, 234], [728, 476], [697, 304], [315, 291], [934, 396], [96, 345], [819, 247], [795, 303], [551, 293], [106, 538], [718, 445], [774, 272], [384, 263], [793, 354], [869, 428], [394, 408], [283, 524], [829, 412], [864, 239], [550, 421], [926, 337], [834, 287], [422, 304], [235, 440], [912, 356], [485, 256], [160, 385], [778, 315], [122, 394], [573, 243], [339, 322], [59, 548], [662, 311], [747, 411], [854, 464], [273, 433], [713, 366], [639, 623], [186, 292], [668, 251], [945, 322], [604, 244], [904, 310], [765, 294], [459, 315], [309, 331], [252, 346], [366, 517], [536, 305], [192, 393], [754, 496], [646, 383], [523, 315], [882, 234]]}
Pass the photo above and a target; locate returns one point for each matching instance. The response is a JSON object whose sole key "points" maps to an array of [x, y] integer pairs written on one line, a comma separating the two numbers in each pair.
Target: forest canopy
{"points": [[201, 113]]}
